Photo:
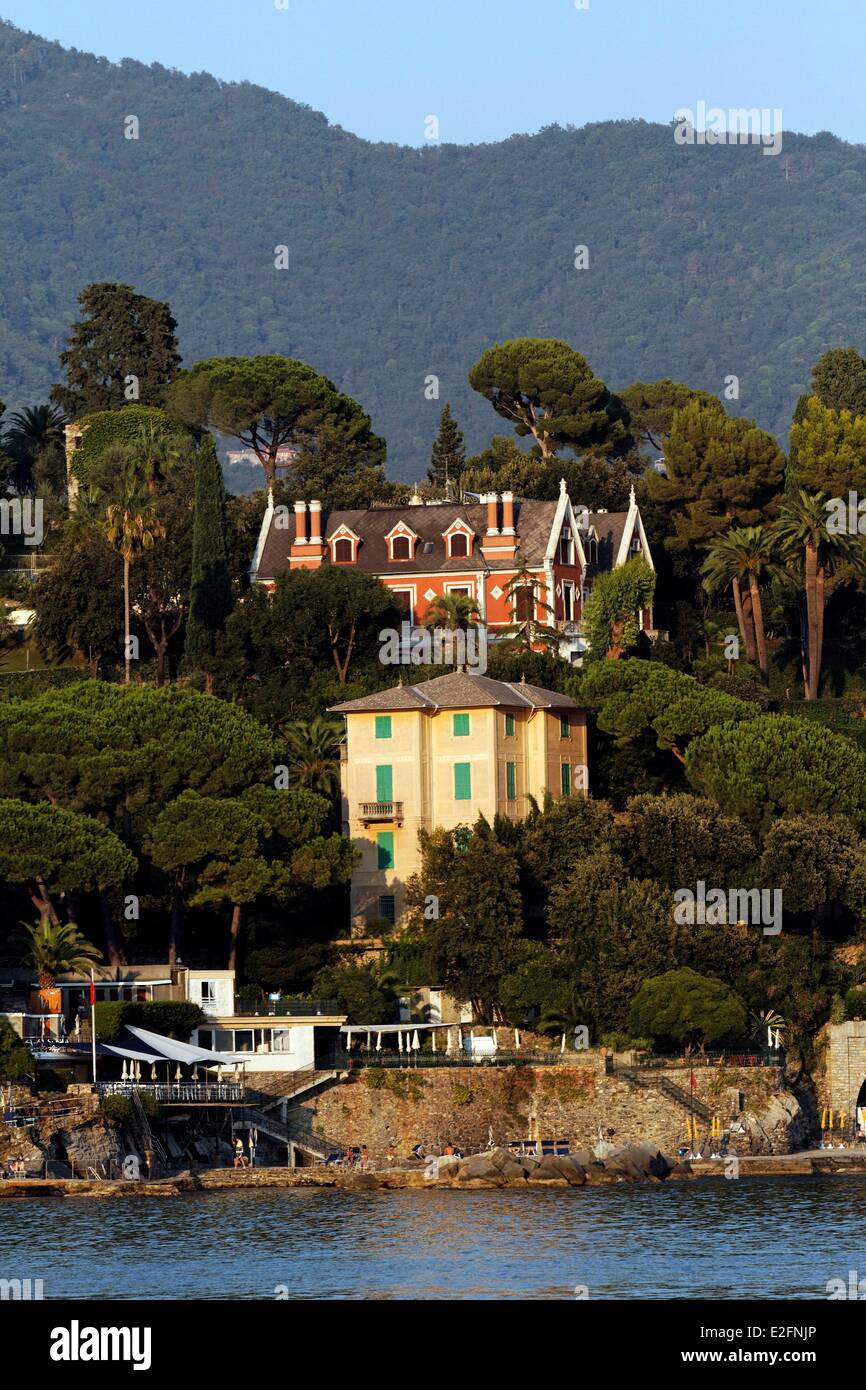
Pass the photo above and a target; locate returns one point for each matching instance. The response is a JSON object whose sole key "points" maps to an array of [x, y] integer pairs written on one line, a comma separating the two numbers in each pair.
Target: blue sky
{"points": [[488, 68]]}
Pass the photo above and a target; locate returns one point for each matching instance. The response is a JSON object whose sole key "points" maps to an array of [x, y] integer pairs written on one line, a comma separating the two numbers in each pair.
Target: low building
{"points": [[438, 755]]}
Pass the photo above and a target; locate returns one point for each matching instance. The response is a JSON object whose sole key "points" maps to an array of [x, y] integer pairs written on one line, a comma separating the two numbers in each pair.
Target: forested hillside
{"points": [[704, 261]]}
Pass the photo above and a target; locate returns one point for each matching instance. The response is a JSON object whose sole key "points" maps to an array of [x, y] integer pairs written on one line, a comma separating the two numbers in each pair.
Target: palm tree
{"points": [[314, 753], [57, 948], [525, 595], [130, 522], [33, 432], [453, 611], [816, 553], [744, 556]]}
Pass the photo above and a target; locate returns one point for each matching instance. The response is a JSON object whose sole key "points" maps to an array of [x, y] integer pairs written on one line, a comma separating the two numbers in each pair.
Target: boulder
{"points": [[480, 1166], [565, 1168]]}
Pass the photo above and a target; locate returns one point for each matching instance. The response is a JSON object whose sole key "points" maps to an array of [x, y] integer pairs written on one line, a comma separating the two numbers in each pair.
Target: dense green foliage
{"points": [[171, 1018], [358, 301]]}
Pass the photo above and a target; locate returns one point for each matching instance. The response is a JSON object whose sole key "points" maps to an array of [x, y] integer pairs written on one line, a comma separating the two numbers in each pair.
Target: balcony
{"points": [[377, 812]]}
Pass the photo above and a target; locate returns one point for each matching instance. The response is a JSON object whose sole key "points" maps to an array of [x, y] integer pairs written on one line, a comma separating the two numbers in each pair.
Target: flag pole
{"points": [[93, 1022]]}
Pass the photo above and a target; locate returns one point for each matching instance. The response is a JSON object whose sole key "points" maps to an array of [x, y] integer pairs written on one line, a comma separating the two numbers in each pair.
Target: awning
{"points": [[140, 1045]]}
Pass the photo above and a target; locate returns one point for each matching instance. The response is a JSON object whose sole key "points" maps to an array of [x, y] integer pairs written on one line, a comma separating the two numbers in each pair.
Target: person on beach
{"points": [[365, 1157], [239, 1152], [390, 1153]]}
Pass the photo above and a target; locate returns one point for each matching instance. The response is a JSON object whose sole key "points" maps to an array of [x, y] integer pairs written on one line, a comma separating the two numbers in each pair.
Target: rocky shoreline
{"points": [[634, 1163]]}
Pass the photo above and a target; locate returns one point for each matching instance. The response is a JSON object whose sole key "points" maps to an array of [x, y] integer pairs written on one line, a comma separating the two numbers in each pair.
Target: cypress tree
{"points": [[448, 456], [210, 590]]}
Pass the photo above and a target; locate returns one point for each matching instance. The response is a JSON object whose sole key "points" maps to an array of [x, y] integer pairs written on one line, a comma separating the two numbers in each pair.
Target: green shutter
{"points": [[461, 726], [509, 726], [564, 726], [384, 783], [566, 780], [385, 849], [511, 781], [383, 726], [462, 782]]}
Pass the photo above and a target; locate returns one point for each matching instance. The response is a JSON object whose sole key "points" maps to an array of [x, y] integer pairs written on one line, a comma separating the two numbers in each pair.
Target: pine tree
{"points": [[210, 593], [123, 350], [448, 456]]}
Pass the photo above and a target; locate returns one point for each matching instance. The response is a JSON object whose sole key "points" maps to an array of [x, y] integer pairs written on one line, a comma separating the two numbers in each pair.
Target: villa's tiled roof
{"points": [[458, 690]]}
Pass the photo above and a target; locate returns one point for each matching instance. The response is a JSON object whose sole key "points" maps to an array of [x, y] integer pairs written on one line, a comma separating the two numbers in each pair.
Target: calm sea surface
{"points": [[761, 1238]]}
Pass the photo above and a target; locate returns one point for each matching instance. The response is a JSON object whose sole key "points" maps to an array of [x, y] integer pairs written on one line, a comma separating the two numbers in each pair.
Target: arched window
{"points": [[401, 548], [459, 542], [343, 552]]}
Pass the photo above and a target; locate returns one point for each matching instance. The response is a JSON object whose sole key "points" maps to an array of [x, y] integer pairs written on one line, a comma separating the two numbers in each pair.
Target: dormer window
{"points": [[401, 542], [344, 546], [458, 540], [566, 547]]}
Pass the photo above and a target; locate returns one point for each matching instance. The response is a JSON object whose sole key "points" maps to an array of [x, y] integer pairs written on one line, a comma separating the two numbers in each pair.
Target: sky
{"points": [[489, 68]]}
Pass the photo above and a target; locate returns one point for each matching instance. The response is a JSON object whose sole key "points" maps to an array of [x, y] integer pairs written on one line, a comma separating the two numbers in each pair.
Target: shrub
{"points": [[118, 1109], [15, 1059], [171, 1018]]}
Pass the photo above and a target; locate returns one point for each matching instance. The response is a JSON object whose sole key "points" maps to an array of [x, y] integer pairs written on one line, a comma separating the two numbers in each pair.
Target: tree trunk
{"points": [[745, 617], [126, 619], [176, 919], [813, 661], [237, 914], [113, 943], [758, 619], [820, 606]]}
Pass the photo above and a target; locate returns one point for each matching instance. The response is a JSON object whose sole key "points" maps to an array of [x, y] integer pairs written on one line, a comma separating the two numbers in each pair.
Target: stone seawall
{"points": [[470, 1105]]}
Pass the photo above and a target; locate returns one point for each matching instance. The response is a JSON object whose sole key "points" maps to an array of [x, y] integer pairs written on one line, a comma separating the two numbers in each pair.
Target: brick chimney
{"points": [[300, 523], [499, 545], [315, 523], [307, 552]]}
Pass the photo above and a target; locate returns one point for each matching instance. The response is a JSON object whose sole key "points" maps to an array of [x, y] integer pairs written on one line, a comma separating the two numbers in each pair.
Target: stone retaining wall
{"points": [[379, 1107]]}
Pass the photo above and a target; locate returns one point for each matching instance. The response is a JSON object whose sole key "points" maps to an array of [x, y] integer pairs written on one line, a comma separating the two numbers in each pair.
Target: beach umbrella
{"points": [[399, 1040], [416, 1041], [177, 1072], [495, 1041], [348, 1040], [153, 1071], [562, 1048], [449, 1043], [123, 1073], [432, 1039], [138, 1071], [378, 1042], [516, 1041]]}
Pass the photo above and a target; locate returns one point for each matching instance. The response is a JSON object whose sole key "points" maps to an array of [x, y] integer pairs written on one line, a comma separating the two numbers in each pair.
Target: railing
{"points": [[350, 1061], [286, 1008], [381, 811], [180, 1092], [763, 1058]]}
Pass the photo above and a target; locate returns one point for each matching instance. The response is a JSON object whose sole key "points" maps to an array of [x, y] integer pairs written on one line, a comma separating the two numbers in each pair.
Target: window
{"points": [[462, 782], [403, 600], [511, 781], [204, 1037], [383, 726], [243, 1040], [387, 907], [223, 1040], [458, 544], [208, 991], [568, 602], [509, 726], [461, 726], [281, 1040], [566, 547], [343, 552], [524, 605], [384, 783], [564, 726], [566, 780], [385, 849], [401, 548]]}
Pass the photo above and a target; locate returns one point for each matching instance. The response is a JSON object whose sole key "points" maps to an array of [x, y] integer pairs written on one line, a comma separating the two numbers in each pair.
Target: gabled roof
{"points": [[533, 523], [458, 690]]}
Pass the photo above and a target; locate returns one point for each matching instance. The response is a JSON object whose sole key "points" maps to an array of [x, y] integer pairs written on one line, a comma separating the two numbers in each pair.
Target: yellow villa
{"points": [[438, 754]]}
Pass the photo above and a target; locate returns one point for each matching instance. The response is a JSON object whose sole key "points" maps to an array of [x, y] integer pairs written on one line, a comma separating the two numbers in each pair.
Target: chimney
{"points": [[492, 500], [300, 523], [315, 523], [508, 513]]}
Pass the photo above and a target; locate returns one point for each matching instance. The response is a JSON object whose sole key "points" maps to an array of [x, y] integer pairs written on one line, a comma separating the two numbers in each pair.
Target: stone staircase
{"points": [[649, 1081]]}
